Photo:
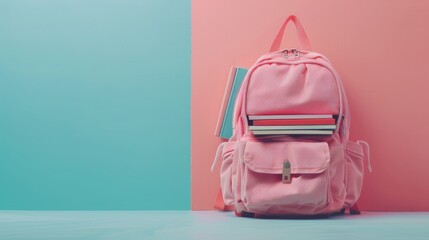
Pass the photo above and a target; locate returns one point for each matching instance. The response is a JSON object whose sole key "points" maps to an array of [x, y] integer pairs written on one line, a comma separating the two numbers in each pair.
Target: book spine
{"points": [[292, 132], [294, 127], [225, 100], [301, 116], [226, 130], [287, 122]]}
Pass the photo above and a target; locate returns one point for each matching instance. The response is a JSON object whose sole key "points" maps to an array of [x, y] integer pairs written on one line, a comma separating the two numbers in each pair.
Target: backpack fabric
{"points": [[326, 171]]}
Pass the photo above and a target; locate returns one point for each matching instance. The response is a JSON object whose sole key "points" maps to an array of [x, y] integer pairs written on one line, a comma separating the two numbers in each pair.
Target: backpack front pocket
{"points": [[286, 177]]}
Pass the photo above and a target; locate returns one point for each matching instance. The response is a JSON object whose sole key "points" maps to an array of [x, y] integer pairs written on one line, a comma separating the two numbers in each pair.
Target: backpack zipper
{"points": [[295, 53]]}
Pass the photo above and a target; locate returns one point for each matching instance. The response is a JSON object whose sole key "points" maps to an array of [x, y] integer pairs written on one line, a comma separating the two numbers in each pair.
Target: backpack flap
{"points": [[304, 157], [286, 177]]}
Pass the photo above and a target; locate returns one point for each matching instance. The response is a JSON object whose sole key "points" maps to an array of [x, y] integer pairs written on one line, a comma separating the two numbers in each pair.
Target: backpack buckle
{"points": [[286, 177]]}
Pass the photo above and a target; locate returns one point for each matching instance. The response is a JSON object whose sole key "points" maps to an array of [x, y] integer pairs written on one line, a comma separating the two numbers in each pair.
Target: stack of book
{"points": [[304, 124]]}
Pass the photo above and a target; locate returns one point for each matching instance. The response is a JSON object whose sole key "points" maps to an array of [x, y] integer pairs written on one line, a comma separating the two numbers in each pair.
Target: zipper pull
{"points": [[286, 54], [286, 178], [295, 52]]}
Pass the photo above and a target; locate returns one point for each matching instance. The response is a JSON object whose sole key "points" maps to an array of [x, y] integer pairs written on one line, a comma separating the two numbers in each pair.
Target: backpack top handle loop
{"points": [[302, 36]]}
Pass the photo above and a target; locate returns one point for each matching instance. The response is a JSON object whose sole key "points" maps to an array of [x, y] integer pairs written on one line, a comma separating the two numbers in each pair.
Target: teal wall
{"points": [[95, 104]]}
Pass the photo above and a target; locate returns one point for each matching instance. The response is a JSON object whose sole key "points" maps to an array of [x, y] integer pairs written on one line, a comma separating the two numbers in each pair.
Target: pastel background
{"points": [[94, 104], [380, 49]]}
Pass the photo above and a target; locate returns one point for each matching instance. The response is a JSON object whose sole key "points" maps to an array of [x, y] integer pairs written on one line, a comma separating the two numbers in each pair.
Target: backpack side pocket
{"points": [[226, 172], [354, 172]]}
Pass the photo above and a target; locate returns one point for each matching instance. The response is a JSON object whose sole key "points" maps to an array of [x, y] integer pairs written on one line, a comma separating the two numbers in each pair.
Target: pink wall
{"points": [[380, 48]]}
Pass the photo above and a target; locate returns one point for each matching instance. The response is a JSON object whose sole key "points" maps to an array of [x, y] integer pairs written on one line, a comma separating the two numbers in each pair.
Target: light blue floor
{"points": [[179, 225]]}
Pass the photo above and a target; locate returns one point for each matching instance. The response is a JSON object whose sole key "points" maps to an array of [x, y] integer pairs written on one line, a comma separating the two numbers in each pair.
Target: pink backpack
{"points": [[298, 172]]}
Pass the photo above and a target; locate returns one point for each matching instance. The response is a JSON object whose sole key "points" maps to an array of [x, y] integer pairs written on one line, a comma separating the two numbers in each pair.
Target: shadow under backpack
{"points": [[269, 168]]}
